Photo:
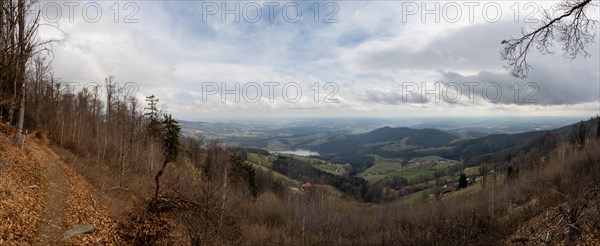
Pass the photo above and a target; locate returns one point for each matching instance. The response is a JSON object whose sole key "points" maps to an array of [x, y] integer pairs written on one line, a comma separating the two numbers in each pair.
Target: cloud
{"points": [[550, 83], [170, 51]]}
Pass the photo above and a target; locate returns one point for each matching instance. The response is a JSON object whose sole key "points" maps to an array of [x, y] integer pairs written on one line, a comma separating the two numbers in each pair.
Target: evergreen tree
{"points": [[578, 135], [244, 171], [152, 114], [462, 181], [171, 146], [597, 126], [171, 138], [512, 173]]}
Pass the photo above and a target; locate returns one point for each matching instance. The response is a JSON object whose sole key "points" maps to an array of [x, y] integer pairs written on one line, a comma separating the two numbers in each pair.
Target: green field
{"points": [[471, 171], [334, 168], [262, 160], [415, 171], [419, 172]]}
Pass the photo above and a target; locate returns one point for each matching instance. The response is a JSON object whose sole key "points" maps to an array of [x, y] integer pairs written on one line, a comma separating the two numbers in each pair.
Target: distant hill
{"points": [[409, 143], [359, 148], [415, 137], [489, 144], [384, 140]]}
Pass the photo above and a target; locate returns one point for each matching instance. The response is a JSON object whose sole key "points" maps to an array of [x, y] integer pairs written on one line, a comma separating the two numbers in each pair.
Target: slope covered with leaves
{"points": [[23, 187], [83, 207], [25, 196]]}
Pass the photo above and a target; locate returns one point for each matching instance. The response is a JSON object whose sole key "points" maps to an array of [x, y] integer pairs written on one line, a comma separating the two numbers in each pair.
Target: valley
{"points": [[397, 163]]}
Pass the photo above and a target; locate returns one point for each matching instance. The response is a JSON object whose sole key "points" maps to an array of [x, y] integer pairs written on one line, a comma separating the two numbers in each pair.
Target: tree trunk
{"points": [[18, 140], [21, 60], [154, 200]]}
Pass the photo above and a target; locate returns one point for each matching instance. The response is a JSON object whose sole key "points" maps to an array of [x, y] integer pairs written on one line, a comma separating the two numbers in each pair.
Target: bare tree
{"points": [[111, 90], [26, 42], [570, 25]]}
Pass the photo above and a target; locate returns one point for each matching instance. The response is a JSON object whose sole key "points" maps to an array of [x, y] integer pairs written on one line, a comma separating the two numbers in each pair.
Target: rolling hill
{"points": [[386, 140], [403, 142]]}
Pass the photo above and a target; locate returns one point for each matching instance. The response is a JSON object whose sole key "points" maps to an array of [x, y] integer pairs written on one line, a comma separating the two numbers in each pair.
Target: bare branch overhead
{"points": [[573, 28]]}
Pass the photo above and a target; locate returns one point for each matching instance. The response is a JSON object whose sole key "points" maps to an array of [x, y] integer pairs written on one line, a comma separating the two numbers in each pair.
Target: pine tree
{"points": [[578, 135], [170, 140], [462, 181], [152, 115], [245, 171], [597, 126]]}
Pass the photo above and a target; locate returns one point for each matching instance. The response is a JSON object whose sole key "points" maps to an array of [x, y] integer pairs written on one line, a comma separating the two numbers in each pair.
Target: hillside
{"points": [[386, 139], [23, 188], [554, 225], [551, 189], [407, 143], [43, 197], [489, 144]]}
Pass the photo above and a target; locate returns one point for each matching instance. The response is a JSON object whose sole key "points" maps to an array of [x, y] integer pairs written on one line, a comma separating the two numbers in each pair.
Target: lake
{"points": [[299, 152]]}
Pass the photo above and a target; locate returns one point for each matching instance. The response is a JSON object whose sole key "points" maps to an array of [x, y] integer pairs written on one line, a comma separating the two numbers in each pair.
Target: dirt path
{"points": [[52, 225]]}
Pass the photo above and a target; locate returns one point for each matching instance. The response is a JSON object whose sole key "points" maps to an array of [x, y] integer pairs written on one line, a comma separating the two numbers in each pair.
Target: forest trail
{"points": [[53, 223]]}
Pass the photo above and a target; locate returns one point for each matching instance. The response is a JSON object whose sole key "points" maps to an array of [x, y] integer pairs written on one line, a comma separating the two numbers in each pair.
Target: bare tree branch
{"points": [[573, 28]]}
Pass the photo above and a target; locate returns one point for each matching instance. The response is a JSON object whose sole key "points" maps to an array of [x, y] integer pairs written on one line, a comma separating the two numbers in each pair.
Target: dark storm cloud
{"points": [[473, 47], [556, 80], [548, 85]]}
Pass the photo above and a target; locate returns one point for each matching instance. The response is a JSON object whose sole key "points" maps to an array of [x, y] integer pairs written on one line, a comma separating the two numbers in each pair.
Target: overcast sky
{"points": [[367, 59]]}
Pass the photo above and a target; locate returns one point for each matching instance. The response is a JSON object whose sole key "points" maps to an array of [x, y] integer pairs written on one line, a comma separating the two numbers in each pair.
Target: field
{"points": [[418, 174], [416, 170], [262, 160], [334, 168]]}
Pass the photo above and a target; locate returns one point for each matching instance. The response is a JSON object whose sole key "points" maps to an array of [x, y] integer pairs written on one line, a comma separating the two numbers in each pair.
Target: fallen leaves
{"points": [[79, 210], [23, 190], [21, 206]]}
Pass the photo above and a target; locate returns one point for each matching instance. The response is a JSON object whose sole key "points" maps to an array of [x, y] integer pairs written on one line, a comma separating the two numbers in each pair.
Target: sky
{"points": [[252, 59]]}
